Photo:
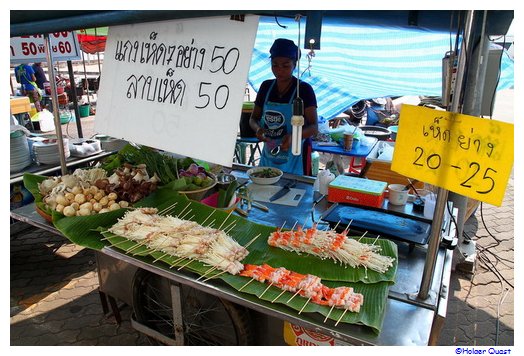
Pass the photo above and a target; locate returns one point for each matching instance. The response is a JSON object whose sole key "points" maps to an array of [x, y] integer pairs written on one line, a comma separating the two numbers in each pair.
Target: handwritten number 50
{"points": [[228, 62], [221, 96]]}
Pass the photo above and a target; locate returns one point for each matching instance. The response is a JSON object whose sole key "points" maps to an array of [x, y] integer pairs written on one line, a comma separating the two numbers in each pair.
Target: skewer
{"points": [[344, 313], [211, 223], [364, 234], [186, 214], [227, 217], [283, 225], [216, 275], [307, 301], [330, 310], [336, 225], [232, 227], [161, 212], [159, 258], [376, 240], [278, 296], [177, 261], [202, 223], [184, 265], [295, 224], [294, 295], [138, 245], [121, 242], [229, 225], [265, 290], [245, 285], [252, 240], [207, 272], [187, 206]]}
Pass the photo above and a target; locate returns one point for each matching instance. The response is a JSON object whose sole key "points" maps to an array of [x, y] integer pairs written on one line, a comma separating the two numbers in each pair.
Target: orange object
{"points": [[354, 190]]}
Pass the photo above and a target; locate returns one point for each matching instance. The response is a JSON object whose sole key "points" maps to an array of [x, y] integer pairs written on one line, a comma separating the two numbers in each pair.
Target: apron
{"points": [[276, 119]]}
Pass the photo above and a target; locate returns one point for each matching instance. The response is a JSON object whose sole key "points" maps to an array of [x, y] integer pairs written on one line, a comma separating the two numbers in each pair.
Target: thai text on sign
{"points": [[177, 85], [30, 49], [464, 154]]}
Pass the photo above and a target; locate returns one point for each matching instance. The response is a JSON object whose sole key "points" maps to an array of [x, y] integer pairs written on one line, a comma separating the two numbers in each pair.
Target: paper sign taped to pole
{"points": [[177, 85], [464, 154]]}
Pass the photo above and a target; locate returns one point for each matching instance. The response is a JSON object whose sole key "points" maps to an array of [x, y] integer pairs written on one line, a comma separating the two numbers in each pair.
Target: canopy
{"points": [[93, 40], [363, 61]]}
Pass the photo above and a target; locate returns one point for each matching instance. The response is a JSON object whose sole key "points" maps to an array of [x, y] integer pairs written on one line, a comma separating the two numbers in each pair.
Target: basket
{"points": [[199, 193], [45, 215]]}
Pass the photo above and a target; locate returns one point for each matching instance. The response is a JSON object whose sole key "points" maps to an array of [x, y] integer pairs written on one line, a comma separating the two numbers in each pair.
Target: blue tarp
{"points": [[362, 61]]}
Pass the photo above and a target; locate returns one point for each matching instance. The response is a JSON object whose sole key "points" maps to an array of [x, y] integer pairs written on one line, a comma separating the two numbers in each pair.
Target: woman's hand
{"points": [[286, 142], [261, 134]]}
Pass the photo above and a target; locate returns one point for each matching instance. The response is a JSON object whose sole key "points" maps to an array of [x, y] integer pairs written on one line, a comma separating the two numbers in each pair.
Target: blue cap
{"points": [[283, 47]]}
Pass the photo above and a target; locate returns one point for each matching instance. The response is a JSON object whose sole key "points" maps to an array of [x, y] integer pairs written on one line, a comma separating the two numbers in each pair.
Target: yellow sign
{"points": [[461, 153], [295, 335]]}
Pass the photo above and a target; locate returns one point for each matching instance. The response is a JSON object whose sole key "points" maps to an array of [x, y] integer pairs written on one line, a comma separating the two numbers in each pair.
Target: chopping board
{"points": [[262, 193]]}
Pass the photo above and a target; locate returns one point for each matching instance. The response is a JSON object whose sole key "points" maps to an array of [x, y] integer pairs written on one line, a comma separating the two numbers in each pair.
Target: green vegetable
{"points": [[225, 196]]}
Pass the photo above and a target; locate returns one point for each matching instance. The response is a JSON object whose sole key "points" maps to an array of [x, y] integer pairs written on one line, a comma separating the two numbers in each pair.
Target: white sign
{"points": [[30, 49], [177, 85]]}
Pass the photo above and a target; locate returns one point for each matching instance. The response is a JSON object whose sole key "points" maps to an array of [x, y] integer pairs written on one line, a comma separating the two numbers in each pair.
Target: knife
{"points": [[285, 189]]}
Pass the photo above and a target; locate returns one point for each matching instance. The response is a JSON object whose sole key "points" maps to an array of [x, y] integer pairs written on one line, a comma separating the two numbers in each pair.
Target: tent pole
{"points": [[75, 99], [54, 96], [442, 195], [85, 77]]}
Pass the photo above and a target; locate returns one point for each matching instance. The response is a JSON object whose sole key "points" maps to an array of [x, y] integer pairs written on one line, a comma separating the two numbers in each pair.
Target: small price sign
{"points": [[464, 154]]}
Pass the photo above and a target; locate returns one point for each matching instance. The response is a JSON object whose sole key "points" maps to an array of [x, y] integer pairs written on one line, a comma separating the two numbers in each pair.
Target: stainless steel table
{"points": [[408, 320]]}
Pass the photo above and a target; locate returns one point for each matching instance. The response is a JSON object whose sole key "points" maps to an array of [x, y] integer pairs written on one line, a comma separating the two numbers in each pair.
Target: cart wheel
{"points": [[207, 320]]}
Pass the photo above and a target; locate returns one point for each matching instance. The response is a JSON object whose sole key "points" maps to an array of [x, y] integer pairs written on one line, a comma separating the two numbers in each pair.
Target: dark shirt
{"points": [[40, 76], [306, 93]]}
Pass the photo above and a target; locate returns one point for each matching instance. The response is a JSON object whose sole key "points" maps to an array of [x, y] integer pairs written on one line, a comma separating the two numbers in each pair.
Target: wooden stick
{"points": [[202, 223], [121, 242], [211, 223], [265, 290], [177, 261], [186, 214], [330, 310], [252, 240], [336, 225], [278, 296], [161, 212], [227, 217], [294, 295], [376, 240], [344, 313], [232, 227], [184, 265], [159, 258], [293, 227], [187, 206], [362, 236], [138, 245], [283, 225], [216, 275], [229, 225], [307, 301], [245, 285], [207, 272]]}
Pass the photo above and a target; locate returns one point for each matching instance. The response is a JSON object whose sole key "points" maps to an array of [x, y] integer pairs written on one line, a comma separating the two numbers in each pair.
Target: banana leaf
{"points": [[90, 231], [31, 183]]}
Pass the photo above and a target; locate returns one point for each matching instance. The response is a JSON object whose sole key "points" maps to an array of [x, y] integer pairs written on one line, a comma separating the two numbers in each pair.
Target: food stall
{"points": [[257, 312]]}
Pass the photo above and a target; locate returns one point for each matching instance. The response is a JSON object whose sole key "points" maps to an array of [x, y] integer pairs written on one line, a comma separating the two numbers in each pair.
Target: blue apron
{"points": [[276, 119]]}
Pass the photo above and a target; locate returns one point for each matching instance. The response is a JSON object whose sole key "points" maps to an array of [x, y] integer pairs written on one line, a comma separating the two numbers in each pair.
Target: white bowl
{"points": [[261, 180]]}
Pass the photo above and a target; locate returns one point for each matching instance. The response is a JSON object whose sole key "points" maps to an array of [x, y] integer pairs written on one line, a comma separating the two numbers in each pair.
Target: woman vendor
{"points": [[271, 117]]}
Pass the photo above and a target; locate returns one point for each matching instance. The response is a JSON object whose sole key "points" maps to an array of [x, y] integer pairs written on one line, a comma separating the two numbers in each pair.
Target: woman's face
{"points": [[282, 67]]}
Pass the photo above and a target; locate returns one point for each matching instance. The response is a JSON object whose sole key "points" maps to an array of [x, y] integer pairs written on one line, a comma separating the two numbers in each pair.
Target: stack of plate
{"points": [[46, 152], [20, 157]]}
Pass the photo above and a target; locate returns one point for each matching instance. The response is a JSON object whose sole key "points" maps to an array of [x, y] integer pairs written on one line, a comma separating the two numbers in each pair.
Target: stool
{"points": [[240, 150], [356, 164]]}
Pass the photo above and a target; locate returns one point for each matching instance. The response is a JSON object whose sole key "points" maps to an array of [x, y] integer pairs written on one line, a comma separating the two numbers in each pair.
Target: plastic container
{"points": [[397, 194], [84, 110]]}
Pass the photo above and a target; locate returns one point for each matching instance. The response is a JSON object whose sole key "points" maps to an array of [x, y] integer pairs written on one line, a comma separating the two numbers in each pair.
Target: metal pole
{"points": [[442, 197], [75, 99], [58, 125], [85, 77]]}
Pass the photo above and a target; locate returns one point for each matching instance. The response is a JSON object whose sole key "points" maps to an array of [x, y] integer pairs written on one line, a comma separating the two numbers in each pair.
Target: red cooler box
{"points": [[354, 190]]}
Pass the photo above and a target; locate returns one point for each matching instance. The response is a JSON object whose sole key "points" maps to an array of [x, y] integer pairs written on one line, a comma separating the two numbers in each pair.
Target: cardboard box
{"points": [[354, 190], [379, 169]]}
